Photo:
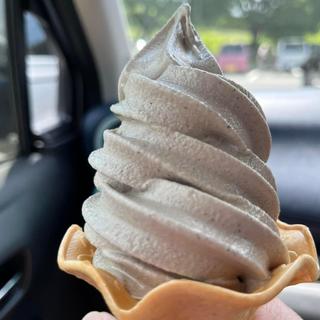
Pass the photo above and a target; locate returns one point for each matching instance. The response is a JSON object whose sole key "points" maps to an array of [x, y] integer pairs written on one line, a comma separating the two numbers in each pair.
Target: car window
{"points": [[47, 77], [9, 143], [231, 49], [294, 47], [269, 47]]}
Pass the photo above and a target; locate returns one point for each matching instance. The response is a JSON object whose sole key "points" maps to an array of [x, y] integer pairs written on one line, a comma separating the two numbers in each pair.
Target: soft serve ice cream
{"points": [[184, 191]]}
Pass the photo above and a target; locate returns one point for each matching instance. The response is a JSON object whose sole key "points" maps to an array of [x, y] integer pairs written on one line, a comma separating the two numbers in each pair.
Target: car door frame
{"points": [[85, 94]]}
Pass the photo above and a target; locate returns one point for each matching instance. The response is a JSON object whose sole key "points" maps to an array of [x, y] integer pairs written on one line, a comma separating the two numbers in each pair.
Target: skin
{"points": [[274, 310], [94, 315]]}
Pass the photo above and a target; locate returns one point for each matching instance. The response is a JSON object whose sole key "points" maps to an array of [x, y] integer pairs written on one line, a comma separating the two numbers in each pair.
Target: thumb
{"points": [[94, 315]]}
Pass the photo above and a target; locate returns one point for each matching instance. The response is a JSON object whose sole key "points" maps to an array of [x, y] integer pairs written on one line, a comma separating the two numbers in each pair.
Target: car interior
{"points": [[59, 66]]}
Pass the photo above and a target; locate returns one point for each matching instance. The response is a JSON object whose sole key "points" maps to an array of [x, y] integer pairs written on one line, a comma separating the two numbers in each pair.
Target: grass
{"points": [[313, 38], [214, 39]]}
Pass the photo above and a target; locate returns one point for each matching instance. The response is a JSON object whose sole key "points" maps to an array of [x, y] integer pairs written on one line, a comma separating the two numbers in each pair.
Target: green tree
{"points": [[294, 18], [148, 16], [262, 18], [276, 18], [208, 13]]}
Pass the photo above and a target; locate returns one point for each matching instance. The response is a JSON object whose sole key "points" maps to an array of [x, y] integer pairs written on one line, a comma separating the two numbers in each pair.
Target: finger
{"points": [[276, 310], [94, 315]]}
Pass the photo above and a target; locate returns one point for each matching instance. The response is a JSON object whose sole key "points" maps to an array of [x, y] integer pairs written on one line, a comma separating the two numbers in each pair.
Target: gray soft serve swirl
{"points": [[184, 191]]}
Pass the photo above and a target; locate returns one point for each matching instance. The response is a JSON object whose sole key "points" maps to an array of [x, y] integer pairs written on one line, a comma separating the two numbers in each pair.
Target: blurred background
{"points": [[260, 41], [59, 66]]}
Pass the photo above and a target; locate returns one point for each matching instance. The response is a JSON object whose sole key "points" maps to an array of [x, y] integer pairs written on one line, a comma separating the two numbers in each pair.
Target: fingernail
{"points": [[94, 315], [106, 316]]}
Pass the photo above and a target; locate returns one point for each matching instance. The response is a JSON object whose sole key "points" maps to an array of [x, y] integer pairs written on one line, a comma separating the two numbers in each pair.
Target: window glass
{"points": [[232, 49], [8, 125], [47, 77], [294, 47], [270, 47]]}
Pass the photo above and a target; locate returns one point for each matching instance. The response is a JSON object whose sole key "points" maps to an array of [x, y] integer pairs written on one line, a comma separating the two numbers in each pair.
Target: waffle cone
{"points": [[187, 299]]}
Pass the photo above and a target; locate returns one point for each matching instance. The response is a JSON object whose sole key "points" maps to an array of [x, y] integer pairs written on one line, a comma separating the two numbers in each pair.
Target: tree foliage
{"points": [[277, 18], [148, 16], [271, 18]]}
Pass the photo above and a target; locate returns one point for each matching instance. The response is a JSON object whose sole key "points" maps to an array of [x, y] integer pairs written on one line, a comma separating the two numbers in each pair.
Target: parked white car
{"points": [[292, 53]]}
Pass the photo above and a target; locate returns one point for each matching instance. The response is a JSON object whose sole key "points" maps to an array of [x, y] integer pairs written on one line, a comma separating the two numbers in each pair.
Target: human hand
{"points": [[98, 316], [274, 310]]}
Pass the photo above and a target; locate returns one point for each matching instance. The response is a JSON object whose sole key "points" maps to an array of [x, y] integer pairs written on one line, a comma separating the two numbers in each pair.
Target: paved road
{"points": [[268, 80], [283, 98]]}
